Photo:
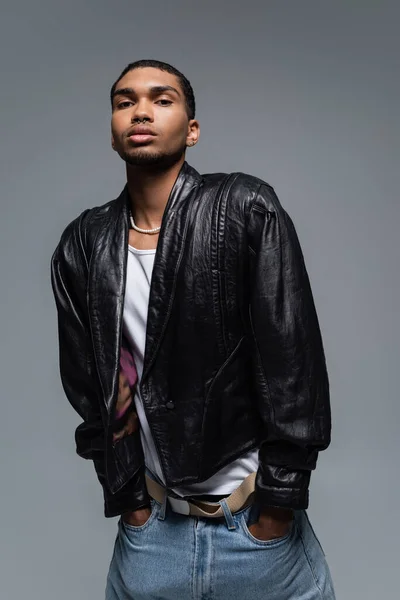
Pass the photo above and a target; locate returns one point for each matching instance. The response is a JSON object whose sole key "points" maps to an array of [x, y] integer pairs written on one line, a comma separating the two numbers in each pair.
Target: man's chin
{"points": [[148, 158], [142, 158]]}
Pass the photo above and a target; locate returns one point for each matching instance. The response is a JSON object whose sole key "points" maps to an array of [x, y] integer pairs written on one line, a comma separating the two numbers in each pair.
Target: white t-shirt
{"points": [[139, 271]]}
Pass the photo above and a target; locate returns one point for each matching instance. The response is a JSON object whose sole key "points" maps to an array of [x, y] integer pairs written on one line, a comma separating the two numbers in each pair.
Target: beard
{"points": [[145, 157]]}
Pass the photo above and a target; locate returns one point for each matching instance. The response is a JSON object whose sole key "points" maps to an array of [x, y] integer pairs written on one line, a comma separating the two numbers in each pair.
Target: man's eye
{"points": [[124, 104], [165, 100]]}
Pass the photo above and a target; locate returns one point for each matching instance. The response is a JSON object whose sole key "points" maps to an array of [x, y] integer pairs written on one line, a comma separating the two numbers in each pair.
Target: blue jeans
{"points": [[178, 557]]}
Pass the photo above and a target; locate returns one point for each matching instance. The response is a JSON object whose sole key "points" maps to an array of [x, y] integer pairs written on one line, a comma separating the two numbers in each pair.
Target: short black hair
{"points": [[163, 66]]}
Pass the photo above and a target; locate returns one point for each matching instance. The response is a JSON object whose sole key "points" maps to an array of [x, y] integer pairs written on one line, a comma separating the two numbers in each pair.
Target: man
{"points": [[190, 347]]}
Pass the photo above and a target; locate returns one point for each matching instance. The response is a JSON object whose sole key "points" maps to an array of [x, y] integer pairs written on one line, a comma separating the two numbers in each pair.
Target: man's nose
{"points": [[142, 112]]}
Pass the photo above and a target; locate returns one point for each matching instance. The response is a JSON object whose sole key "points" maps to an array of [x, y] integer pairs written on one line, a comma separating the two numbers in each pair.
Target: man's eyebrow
{"points": [[155, 89]]}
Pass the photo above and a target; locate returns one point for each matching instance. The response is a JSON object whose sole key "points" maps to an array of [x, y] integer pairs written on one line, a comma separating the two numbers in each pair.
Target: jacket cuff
{"points": [[132, 496], [282, 487]]}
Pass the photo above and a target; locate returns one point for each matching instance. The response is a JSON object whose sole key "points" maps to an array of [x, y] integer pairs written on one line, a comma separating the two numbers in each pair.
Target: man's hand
{"points": [[136, 517], [272, 523], [123, 405]]}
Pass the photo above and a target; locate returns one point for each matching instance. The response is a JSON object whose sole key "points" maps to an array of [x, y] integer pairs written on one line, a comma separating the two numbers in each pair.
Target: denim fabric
{"points": [[177, 557]]}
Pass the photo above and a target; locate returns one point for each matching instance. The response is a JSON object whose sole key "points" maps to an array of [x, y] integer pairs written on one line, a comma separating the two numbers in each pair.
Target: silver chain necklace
{"points": [[136, 228]]}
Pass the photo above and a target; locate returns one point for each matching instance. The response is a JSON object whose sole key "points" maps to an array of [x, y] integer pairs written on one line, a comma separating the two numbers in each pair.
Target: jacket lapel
{"points": [[107, 279], [167, 260], [106, 291]]}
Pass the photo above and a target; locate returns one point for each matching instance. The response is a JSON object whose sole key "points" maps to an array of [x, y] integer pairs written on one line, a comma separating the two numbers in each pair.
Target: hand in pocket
{"points": [[271, 524], [137, 518]]}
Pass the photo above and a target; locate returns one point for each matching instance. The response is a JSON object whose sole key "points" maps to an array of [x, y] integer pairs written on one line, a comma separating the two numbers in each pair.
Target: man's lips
{"points": [[141, 137], [140, 130], [140, 134]]}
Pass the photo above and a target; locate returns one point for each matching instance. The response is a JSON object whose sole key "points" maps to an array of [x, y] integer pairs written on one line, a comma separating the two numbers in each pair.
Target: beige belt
{"points": [[239, 499]]}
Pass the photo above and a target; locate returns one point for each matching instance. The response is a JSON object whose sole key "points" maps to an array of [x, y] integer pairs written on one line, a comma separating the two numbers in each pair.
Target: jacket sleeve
{"points": [[290, 376], [77, 368]]}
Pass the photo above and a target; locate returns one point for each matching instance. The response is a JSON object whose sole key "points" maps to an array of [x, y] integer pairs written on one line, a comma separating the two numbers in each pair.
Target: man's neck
{"points": [[149, 190]]}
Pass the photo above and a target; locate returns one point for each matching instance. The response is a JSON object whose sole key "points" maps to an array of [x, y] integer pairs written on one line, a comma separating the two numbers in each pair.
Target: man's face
{"points": [[142, 100]]}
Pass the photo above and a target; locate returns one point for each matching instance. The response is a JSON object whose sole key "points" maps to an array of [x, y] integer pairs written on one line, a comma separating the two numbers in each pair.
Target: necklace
{"points": [[156, 230]]}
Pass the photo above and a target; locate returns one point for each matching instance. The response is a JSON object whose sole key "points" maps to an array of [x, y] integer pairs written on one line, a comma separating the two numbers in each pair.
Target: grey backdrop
{"points": [[303, 94]]}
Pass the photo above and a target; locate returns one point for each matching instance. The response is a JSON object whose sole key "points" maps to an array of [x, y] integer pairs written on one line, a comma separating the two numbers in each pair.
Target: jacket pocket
{"points": [[225, 367], [229, 411]]}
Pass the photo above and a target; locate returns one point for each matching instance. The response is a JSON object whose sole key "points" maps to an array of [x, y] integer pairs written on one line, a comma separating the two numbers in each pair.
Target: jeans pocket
{"points": [[137, 528], [250, 516]]}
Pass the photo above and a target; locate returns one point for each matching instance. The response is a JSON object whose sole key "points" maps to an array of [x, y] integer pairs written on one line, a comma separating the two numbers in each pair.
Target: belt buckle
{"points": [[179, 506]]}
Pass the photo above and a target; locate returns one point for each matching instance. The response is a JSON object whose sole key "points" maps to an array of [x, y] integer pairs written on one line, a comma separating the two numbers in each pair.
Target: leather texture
{"points": [[234, 357]]}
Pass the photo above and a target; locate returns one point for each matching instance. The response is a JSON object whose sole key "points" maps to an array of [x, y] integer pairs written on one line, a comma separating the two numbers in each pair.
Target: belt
{"points": [[239, 499]]}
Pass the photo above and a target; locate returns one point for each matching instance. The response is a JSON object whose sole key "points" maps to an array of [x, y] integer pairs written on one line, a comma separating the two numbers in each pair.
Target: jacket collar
{"points": [[107, 278]]}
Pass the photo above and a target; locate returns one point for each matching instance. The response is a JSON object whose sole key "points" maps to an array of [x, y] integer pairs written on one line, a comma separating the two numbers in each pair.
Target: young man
{"points": [[190, 347]]}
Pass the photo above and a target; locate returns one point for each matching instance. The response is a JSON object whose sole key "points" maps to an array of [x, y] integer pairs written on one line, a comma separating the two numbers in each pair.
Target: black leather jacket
{"points": [[234, 358]]}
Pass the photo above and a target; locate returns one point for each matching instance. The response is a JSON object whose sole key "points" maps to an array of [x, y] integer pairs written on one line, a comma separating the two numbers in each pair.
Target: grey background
{"points": [[302, 94]]}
